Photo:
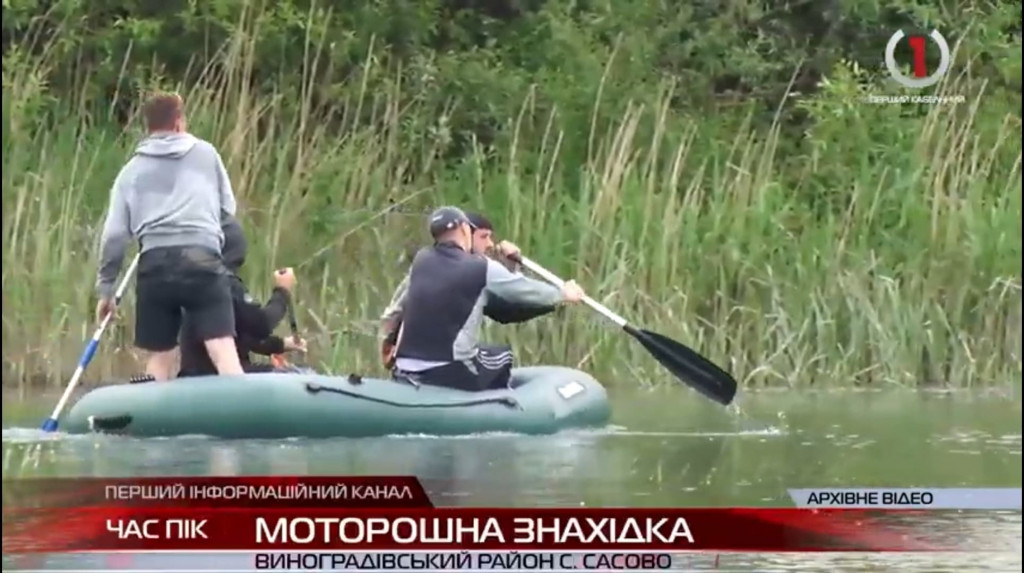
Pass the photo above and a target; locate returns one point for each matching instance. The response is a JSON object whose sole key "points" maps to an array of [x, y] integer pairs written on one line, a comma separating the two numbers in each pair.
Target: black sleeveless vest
{"points": [[445, 284]]}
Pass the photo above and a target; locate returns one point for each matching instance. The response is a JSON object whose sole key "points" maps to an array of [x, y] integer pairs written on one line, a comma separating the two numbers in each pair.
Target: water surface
{"points": [[665, 447]]}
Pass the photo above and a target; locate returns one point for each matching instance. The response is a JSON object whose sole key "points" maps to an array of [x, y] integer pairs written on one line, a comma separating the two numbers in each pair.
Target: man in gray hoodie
{"points": [[170, 196]]}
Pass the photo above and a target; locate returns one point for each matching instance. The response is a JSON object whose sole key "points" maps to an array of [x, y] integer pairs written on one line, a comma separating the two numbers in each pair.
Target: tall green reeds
{"points": [[882, 246]]}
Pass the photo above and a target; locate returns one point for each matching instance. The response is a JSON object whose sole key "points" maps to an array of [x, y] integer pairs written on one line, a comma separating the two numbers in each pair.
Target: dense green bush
{"points": [[472, 61]]}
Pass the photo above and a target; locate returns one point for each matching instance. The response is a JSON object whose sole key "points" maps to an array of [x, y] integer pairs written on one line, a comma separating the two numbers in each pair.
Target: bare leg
{"points": [[224, 355], [160, 365]]}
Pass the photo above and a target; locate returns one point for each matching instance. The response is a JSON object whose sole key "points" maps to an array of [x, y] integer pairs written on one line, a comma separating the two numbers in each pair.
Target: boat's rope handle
{"points": [[509, 401]]}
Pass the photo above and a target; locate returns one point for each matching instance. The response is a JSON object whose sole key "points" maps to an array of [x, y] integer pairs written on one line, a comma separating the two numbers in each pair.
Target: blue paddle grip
{"points": [[90, 350]]}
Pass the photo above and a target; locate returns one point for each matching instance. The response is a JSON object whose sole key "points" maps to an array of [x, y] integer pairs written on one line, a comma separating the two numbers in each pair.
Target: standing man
{"points": [[170, 196], [443, 308]]}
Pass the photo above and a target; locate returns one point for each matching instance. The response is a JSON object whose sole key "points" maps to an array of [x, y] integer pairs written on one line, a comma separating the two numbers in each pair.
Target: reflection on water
{"points": [[666, 449], [573, 468]]}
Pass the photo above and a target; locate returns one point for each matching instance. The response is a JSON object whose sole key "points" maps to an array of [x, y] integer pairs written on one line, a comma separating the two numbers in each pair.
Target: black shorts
{"points": [[492, 370], [174, 280]]}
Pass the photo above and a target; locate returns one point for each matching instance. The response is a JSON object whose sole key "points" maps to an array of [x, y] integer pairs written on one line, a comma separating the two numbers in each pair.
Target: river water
{"points": [[665, 447]]}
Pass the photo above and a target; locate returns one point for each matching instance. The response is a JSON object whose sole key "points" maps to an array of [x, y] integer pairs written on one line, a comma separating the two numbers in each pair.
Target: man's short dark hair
{"points": [[162, 110], [479, 221]]}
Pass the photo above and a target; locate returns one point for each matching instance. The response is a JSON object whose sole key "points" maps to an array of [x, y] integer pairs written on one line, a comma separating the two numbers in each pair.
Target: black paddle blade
{"points": [[699, 372]]}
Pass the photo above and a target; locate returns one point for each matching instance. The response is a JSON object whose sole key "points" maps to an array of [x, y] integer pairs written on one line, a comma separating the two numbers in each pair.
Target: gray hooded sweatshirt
{"points": [[171, 193]]}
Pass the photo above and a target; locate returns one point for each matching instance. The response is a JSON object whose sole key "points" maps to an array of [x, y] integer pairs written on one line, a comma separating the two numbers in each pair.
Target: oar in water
{"points": [[50, 424], [685, 364]]}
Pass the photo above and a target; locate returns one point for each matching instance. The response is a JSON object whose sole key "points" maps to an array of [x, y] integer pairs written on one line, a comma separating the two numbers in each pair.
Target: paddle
{"points": [[685, 364], [279, 360], [291, 320], [50, 424]]}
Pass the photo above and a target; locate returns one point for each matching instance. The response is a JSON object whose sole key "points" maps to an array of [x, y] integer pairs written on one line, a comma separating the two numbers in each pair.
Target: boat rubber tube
{"points": [[539, 400]]}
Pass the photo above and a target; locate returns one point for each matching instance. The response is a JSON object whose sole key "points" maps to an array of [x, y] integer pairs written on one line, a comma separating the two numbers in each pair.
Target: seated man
{"points": [[443, 308], [496, 309], [254, 324]]}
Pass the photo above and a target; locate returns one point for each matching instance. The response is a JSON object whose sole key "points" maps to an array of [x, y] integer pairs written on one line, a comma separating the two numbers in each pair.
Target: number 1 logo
{"points": [[918, 44]]}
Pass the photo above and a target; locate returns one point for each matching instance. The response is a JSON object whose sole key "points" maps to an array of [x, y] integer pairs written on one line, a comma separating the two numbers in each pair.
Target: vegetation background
{"points": [[708, 168]]}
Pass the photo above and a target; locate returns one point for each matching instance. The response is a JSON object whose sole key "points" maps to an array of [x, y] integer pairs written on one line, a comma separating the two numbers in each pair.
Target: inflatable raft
{"points": [[539, 400]]}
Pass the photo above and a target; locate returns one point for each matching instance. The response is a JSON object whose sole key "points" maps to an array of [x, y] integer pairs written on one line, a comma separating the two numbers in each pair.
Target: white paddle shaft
{"points": [[551, 278], [90, 349]]}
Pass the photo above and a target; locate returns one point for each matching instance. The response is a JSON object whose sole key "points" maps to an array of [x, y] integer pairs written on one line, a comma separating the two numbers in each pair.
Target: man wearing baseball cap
{"points": [[449, 287], [496, 309]]}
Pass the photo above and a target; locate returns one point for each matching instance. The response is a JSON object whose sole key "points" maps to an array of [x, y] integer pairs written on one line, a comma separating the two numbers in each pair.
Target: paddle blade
{"points": [[685, 364]]}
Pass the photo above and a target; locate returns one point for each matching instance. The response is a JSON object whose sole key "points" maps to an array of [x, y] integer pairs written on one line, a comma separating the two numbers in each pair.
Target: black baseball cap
{"points": [[445, 219]]}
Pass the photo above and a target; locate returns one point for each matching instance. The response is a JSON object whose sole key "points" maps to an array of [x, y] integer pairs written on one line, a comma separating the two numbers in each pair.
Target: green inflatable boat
{"points": [[539, 400]]}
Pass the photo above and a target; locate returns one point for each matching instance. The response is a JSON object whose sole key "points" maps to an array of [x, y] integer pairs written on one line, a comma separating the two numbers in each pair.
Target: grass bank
{"points": [[881, 246]]}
